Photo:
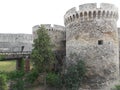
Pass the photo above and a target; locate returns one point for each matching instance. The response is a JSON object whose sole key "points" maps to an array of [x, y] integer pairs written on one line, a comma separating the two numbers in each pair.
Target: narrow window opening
{"points": [[77, 15], [99, 14], [103, 14], [107, 14], [94, 14], [73, 16], [81, 15], [100, 42], [85, 13], [70, 18], [90, 14]]}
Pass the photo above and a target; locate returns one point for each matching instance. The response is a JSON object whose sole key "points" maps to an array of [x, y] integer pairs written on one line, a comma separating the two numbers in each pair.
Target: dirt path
{"points": [[40, 88]]}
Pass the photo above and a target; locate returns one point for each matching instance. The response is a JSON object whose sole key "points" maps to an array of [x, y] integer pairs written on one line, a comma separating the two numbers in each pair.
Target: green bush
{"points": [[22, 65], [74, 76], [53, 80], [117, 87], [3, 83], [3, 73], [71, 78], [2, 57], [31, 76], [18, 84], [15, 75]]}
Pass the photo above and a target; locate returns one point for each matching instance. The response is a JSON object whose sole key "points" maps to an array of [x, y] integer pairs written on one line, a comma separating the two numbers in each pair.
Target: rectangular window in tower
{"points": [[100, 42]]}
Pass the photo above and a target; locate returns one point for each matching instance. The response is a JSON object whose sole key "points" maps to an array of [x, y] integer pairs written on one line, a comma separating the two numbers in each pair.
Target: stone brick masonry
{"points": [[91, 33]]}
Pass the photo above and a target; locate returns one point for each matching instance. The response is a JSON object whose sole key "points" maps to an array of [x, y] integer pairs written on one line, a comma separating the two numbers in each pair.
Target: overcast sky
{"points": [[19, 16]]}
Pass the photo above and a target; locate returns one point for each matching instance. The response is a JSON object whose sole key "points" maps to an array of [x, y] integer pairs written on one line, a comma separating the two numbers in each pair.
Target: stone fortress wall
{"points": [[119, 44], [56, 33], [91, 34], [14, 42]]}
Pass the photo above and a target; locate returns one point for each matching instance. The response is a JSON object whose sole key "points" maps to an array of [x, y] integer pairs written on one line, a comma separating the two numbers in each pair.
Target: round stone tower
{"points": [[91, 34], [56, 33]]}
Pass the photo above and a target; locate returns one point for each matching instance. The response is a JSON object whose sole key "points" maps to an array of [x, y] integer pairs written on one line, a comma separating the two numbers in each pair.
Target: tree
{"points": [[42, 55]]}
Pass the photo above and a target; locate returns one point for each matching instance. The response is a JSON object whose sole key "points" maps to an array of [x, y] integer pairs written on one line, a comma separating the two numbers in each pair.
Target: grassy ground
{"points": [[7, 66]]}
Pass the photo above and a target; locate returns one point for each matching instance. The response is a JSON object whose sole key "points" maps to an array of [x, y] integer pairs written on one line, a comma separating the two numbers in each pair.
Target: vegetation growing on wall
{"points": [[42, 55], [54, 80], [74, 76]]}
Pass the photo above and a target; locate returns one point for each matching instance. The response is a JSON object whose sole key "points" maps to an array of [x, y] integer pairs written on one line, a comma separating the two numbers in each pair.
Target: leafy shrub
{"points": [[2, 57], [53, 80], [81, 69], [15, 75], [16, 79], [74, 76], [3, 84], [71, 78], [3, 73], [31, 76], [18, 84], [22, 65], [117, 87]]}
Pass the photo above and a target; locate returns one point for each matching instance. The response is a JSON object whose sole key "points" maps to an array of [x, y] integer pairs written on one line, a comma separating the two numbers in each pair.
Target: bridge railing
{"points": [[14, 52], [14, 55]]}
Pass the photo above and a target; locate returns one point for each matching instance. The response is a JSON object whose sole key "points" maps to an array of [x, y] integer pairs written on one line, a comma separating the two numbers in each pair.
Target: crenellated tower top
{"points": [[90, 11], [49, 27]]}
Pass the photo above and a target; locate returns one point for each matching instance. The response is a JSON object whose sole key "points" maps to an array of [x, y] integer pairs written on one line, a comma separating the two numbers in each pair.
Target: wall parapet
{"points": [[90, 11], [50, 27], [23, 38]]}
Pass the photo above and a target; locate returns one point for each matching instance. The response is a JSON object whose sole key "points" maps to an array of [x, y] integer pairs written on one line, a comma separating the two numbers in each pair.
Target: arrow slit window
{"points": [[100, 42]]}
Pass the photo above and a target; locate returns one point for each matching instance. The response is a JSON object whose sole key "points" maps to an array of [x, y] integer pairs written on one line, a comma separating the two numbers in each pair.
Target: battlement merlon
{"points": [[108, 6], [90, 11], [36, 27], [90, 7], [93, 6], [54, 27], [46, 25], [70, 11], [50, 27], [59, 27]]}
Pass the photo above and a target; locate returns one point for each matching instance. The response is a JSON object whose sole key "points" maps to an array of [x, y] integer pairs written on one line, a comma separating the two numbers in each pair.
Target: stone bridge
{"points": [[19, 56], [14, 55], [16, 47]]}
